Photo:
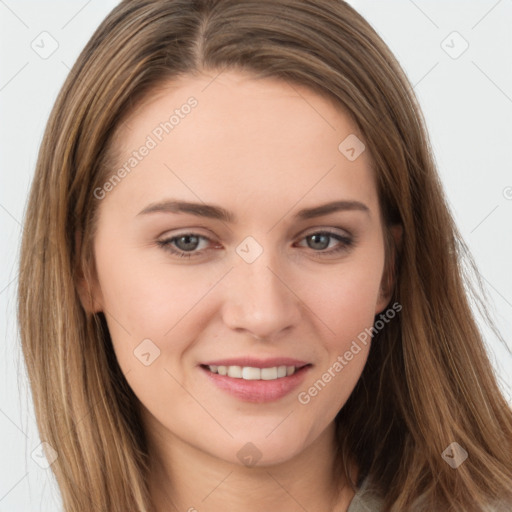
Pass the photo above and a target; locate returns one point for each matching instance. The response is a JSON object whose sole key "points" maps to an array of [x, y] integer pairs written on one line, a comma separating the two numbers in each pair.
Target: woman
{"points": [[205, 352]]}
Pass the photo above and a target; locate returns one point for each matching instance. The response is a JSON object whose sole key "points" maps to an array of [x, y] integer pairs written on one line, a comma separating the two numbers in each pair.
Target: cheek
{"points": [[346, 304], [139, 289], [144, 301], [152, 314], [346, 299]]}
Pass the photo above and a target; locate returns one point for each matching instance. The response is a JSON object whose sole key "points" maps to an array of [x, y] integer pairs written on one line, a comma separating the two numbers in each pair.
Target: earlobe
{"points": [[389, 276], [87, 284], [88, 296]]}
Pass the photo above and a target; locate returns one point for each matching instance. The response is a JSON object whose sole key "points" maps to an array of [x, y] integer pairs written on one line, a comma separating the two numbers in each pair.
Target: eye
{"points": [[183, 245], [186, 245], [320, 240]]}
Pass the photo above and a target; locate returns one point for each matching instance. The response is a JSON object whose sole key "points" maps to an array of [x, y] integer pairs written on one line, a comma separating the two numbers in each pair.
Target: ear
{"points": [[87, 283], [389, 278]]}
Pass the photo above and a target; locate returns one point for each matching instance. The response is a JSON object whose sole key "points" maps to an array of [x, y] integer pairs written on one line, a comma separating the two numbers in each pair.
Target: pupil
{"points": [[315, 239], [189, 245]]}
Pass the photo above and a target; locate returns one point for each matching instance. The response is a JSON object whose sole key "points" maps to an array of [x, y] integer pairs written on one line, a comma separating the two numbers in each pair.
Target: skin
{"points": [[262, 150]]}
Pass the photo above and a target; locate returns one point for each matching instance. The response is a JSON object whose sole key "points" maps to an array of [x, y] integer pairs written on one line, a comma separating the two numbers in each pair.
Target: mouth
{"points": [[256, 381]]}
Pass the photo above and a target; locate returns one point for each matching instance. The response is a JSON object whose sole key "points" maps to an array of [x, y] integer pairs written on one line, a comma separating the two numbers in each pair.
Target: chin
{"points": [[259, 451]]}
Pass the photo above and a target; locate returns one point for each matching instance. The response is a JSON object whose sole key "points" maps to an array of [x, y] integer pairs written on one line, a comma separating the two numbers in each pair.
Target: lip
{"points": [[257, 391]]}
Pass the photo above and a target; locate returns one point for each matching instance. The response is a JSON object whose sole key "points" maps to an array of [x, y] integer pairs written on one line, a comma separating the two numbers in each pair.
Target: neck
{"points": [[185, 478]]}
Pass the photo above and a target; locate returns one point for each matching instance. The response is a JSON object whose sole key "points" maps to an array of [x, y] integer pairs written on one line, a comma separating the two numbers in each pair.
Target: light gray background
{"points": [[467, 102]]}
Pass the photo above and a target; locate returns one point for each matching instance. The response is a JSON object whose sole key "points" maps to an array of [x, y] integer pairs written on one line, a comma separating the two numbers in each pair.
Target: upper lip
{"points": [[257, 363]]}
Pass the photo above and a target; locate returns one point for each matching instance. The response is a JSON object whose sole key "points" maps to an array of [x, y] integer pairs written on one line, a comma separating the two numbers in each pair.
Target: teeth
{"points": [[269, 373], [250, 373], [235, 371]]}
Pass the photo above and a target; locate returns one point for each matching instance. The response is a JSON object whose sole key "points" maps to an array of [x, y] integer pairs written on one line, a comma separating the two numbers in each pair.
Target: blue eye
{"points": [[320, 237], [186, 244]]}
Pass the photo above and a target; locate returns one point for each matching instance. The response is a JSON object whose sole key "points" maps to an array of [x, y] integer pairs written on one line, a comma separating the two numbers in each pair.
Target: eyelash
{"points": [[345, 245]]}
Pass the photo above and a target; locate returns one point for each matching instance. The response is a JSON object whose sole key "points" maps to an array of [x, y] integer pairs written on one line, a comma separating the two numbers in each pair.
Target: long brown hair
{"points": [[428, 381]]}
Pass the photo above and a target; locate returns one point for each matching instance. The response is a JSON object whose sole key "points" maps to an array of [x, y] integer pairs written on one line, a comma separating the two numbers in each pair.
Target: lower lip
{"points": [[258, 391]]}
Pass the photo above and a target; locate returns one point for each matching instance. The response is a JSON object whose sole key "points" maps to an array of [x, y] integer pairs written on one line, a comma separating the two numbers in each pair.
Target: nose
{"points": [[259, 299]]}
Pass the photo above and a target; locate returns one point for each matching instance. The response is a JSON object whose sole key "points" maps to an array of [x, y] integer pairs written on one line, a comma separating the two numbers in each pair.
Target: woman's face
{"points": [[269, 281]]}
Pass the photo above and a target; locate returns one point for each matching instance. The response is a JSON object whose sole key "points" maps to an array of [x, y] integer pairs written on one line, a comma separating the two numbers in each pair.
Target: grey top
{"points": [[365, 500]]}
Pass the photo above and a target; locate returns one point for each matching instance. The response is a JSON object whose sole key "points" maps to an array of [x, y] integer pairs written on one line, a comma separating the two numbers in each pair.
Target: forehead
{"points": [[230, 135], [243, 99]]}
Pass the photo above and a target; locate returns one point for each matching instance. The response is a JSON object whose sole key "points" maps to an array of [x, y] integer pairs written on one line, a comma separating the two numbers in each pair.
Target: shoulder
{"points": [[366, 499], [500, 506]]}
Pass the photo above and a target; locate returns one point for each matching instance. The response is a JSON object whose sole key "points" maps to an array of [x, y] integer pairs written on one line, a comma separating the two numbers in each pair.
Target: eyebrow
{"points": [[219, 213]]}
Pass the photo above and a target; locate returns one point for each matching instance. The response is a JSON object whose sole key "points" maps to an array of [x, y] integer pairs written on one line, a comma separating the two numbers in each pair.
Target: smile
{"points": [[252, 380]]}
